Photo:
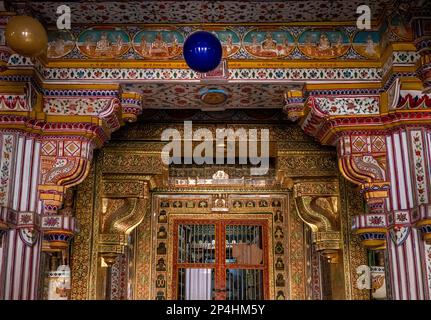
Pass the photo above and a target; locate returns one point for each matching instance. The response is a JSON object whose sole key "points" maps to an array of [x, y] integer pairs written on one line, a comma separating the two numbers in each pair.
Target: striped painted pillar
{"points": [[408, 156], [20, 209]]}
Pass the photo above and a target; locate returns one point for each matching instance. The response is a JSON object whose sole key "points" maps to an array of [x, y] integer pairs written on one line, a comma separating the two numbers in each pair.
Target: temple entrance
{"points": [[220, 260], [216, 232]]}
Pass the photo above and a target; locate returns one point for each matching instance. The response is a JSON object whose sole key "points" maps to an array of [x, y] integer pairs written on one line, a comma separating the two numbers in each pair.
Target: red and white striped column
{"points": [[20, 209], [408, 158]]}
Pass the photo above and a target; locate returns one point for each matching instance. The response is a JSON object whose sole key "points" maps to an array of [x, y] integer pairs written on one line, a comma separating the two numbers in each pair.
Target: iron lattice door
{"points": [[220, 260]]}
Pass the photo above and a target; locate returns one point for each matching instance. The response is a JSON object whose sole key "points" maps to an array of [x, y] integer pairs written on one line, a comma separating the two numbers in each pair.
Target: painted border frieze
{"points": [[162, 42]]}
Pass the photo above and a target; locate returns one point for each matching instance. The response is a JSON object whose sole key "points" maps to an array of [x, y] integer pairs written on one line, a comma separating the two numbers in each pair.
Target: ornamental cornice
{"points": [[327, 130], [269, 70]]}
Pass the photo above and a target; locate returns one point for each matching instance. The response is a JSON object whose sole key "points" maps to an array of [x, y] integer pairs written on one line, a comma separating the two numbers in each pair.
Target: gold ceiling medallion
{"points": [[213, 96]]}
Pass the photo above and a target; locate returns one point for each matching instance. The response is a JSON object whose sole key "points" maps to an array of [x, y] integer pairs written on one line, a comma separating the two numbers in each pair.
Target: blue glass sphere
{"points": [[202, 51]]}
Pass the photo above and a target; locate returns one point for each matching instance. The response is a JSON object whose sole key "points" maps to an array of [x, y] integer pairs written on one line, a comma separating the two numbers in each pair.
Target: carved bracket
{"points": [[121, 213], [318, 206], [64, 163]]}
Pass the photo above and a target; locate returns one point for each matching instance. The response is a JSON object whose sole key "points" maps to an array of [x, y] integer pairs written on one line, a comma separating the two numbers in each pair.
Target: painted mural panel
{"points": [[401, 27], [158, 43], [268, 43], [367, 44], [60, 43], [103, 42], [164, 42], [230, 40], [323, 44]]}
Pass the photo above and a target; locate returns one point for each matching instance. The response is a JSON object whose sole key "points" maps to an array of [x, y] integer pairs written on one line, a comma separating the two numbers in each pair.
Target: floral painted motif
{"points": [[428, 265], [5, 169], [348, 105], [376, 220], [182, 95], [76, 106], [187, 74], [419, 167], [399, 234], [51, 222], [25, 218], [14, 102], [419, 101], [117, 12], [401, 217], [405, 56]]}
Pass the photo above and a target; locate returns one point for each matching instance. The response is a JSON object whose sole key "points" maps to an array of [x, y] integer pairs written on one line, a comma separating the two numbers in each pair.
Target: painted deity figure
{"points": [[159, 47], [229, 44], [103, 45], [88, 44], [339, 44], [370, 46], [60, 46], [269, 44], [254, 47], [324, 43], [308, 45], [119, 43], [174, 42], [145, 46], [57, 46], [284, 47]]}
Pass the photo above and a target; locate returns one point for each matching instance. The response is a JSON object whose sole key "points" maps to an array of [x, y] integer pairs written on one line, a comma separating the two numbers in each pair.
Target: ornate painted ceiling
{"points": [[211, 97], [121, 12], [277, 56]]}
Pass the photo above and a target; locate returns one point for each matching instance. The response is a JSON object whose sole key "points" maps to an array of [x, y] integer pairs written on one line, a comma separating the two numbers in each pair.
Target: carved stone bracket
{"points": [[318, 206], [64, 163], [362, 160], [121, 213]]}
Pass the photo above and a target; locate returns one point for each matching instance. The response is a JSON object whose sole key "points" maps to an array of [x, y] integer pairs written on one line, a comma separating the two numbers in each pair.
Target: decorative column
{"points": [[20, 208], [47, 137], [383, 146]]}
